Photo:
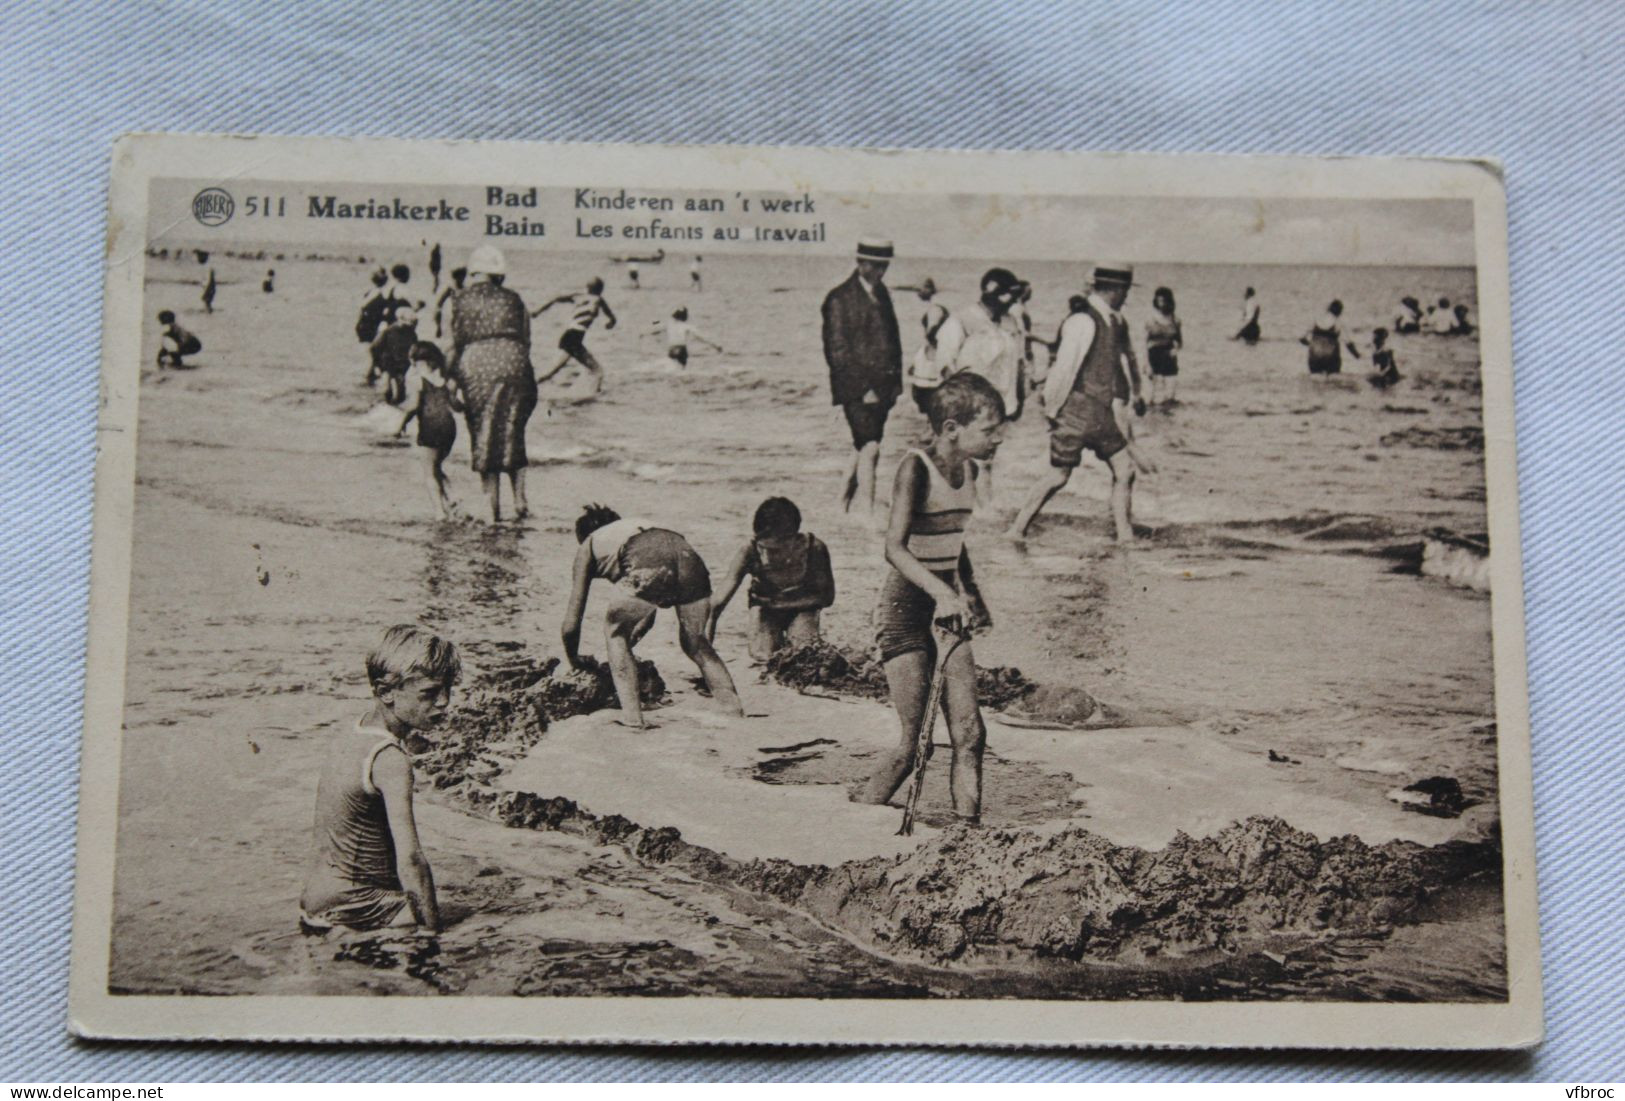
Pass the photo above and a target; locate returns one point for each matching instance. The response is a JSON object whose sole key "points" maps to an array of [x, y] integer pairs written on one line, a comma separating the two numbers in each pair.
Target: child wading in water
{"points": [[655, 568], [678, 335], [367, 870], [392, 353], [1387, 370], [932, 498], [584, 310], [791, 581], [1163, 339], [433, 401]]}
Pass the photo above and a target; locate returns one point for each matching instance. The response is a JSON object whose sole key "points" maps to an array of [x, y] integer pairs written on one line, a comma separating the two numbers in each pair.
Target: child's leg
{"points": [[908, 678], [691, 619], [765, 634], [594, 368], [1122, 464], [803, 629], [1047, 487], [626, 621], [441, 482], [437, 478], [966, 732]]}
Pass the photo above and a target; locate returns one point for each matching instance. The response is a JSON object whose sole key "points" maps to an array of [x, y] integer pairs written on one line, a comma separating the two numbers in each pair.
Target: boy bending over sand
{"points": [[368, 870], [654, 568], [791, 581], [932, 498]]}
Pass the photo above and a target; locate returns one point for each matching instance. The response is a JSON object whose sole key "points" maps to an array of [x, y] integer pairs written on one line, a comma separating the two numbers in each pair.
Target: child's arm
{"points": [[416, 385], [580, 583], [730, 585], [609, 314], [820, 573], [980, 618], [550, 303], [392, 776], [907, 489], [983, 487]]}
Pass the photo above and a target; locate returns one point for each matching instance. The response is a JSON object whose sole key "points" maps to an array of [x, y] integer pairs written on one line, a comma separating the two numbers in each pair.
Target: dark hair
{"points": [[1461, 310], [962, 399], [380, 277], [592, 518], [1077, 303], [1163, 292], [776, 516], [1250, 291], [594, 285], [166, 317], [429, 353], [1336, 307], [458, 275], [1444, 303], [401, 272], [1379, 334], [680, 313]]}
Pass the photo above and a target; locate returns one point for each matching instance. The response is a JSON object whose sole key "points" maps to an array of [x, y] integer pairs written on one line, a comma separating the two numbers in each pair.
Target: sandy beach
{"points": [[1268, 651]]}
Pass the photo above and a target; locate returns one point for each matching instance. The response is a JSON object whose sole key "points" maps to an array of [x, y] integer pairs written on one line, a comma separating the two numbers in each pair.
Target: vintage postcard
{"points": [[675, 595]]}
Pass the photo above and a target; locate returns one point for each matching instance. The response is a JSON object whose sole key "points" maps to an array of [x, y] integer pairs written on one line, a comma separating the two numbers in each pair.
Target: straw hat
{"points": [[1114, 274], [875, 248]]}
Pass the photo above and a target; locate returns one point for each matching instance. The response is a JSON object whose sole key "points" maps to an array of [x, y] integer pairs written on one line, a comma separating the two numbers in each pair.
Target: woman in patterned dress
{"points": [[490, 333]]}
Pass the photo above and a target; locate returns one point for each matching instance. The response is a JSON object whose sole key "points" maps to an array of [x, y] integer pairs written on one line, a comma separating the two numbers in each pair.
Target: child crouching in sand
{"points": [[791, 581], [433, 399], [368, 870], [932, 498], [655, 568]]}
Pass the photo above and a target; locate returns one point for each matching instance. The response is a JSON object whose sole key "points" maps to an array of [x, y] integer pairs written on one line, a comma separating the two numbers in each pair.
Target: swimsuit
{"points": [[936, 536], [657, 565], [353, 883]]}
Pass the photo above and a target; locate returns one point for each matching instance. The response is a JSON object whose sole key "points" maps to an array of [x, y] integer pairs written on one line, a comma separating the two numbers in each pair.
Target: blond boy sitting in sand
{"points": [[368, 870], [932, 498]]}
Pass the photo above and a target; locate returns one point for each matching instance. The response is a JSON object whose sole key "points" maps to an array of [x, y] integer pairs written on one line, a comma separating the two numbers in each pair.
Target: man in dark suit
{"points": [[865, 355]]}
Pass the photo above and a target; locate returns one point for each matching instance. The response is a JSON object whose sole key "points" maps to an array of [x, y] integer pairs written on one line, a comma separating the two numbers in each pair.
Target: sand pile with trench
{"points": [[1003, 895]]}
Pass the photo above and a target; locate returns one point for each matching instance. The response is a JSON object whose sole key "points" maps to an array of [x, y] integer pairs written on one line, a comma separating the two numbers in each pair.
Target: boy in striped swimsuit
{"points": [[367, 870], [929, 582], [585, 309]]}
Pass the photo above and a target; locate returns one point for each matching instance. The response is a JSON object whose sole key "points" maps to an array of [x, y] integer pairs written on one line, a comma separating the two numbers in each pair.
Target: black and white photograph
{"points": [[671, 594]]}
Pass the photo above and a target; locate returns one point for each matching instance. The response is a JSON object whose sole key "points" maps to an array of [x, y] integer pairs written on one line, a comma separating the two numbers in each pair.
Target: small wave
{"points": [[571, 453]]}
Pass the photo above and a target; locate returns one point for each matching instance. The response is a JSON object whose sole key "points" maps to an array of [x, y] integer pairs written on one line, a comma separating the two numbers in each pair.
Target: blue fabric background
{"points": [[1537, 85]]}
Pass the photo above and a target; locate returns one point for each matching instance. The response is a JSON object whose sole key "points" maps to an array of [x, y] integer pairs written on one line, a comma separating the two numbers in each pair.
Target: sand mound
{"points": [[852, 673], [509, 706], [1021, 895], [1014, 895]]}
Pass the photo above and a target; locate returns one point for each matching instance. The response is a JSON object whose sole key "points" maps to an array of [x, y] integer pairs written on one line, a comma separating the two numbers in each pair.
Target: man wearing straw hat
{"points": [[1086, 395], [865, 355]]}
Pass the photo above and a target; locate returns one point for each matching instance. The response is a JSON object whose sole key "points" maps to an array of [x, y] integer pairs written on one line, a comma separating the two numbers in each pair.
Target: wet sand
{"points": [[1267, 613]]}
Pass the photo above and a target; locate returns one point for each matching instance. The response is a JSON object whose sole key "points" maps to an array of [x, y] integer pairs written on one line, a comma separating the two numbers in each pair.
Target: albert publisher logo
{"points": [[213, 206]]}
